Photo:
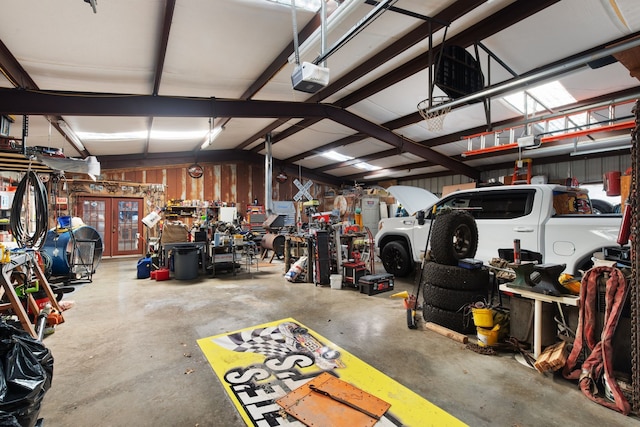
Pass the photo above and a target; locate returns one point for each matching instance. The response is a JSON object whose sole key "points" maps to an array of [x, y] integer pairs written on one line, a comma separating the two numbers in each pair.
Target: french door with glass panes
{"points": [[117, 220]]}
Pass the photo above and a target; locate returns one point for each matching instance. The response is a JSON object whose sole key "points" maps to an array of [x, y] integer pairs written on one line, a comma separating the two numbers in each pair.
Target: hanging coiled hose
{"points": [[20, 226]]}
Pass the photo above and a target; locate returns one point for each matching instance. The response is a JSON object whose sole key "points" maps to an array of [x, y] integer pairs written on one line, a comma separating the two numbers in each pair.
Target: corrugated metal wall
{"points": [[242, 183], [586, 171]]}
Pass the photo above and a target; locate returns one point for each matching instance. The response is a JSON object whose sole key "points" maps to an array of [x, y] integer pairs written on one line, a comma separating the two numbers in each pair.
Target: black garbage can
{"points": [[185, 262]]}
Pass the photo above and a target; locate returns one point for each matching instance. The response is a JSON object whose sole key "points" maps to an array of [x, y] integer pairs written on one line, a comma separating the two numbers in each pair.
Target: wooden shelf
{"points": [[17, 162]]}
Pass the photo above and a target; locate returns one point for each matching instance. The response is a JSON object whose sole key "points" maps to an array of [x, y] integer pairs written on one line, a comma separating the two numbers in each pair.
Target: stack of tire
{"points": [[447, 288]]}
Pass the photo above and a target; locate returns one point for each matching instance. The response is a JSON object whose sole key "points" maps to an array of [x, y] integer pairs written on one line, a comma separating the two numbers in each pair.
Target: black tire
{"points": [[458, 278], [396, 260], [454, 320], [454, 237], [451, 299], [601, 206]]}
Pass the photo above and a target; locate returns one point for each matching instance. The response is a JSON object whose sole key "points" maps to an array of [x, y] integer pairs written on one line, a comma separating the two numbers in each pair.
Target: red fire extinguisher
{"points": [[625, 227]]}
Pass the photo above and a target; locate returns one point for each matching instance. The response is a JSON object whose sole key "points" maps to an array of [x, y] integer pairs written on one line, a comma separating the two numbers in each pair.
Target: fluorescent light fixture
{"points": [[211, 136], [333, 155], [600, 150], [71, 135], [140, 134], [367, 167]]}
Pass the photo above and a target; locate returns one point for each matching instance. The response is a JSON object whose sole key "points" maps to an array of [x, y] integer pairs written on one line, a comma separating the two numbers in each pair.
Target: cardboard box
{"points": [[174, 233], [446, 189]]}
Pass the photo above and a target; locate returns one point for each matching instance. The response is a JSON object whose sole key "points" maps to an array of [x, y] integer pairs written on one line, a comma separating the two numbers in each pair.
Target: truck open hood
{"points": [[412, 198]]}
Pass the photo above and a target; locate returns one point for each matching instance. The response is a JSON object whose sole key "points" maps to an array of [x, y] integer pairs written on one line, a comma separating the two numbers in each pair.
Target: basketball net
{"points": [[434, 116]]}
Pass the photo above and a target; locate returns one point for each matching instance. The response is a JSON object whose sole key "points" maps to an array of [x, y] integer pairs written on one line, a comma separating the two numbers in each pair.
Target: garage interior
{"points": [[200, 158]]}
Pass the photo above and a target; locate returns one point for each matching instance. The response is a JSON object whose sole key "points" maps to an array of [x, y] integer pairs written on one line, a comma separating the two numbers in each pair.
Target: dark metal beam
{"points": [[500, 20], [276, 65], [14, 101], [13, 71], [161, 52], [415, 117], [451, 13], [18, 76], [504, 18]]}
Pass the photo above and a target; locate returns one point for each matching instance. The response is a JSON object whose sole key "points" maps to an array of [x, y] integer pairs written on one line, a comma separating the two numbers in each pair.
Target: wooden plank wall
{"points": [[233, 183], [237, 184]]}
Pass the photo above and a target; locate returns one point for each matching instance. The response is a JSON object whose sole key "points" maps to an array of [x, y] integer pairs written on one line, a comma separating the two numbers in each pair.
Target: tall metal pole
{"points": [[268, 174]]}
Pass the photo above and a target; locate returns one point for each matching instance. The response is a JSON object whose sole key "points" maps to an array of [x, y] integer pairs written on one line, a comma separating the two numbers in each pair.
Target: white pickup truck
{"points": [[553, 220]]}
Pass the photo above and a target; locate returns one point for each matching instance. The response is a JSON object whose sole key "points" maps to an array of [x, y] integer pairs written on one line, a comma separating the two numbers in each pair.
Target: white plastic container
{"points": [[336, 281]]}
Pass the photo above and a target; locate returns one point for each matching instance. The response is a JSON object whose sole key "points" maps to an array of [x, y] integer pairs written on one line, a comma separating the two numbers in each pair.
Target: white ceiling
{"points": [[220, 48]]}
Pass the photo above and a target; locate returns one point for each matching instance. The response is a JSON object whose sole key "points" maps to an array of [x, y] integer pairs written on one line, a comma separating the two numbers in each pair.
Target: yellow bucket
{"points": [[482, 317], [488, 337]]}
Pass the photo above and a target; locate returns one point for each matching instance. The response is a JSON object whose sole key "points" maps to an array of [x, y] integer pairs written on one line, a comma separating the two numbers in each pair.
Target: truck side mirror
{"points": [[420, 217]]}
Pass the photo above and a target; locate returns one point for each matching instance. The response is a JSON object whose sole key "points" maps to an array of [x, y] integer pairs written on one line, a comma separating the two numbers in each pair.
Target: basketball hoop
{"points": [[434, 115]]}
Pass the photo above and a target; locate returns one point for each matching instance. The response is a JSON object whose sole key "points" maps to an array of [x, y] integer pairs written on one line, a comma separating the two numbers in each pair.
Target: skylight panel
{"points": [[310, 5], [540, 98]]}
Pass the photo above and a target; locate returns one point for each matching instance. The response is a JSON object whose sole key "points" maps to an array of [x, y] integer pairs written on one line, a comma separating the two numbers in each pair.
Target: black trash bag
{"points": [[8, 420], [26, 371]]}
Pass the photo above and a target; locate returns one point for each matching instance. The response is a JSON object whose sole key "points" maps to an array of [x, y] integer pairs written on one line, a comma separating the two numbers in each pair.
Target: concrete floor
{"points": [[127, 354]]}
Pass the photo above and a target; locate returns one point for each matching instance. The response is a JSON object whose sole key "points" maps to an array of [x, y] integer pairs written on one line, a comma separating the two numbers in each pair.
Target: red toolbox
{"points": [[376, 283]]}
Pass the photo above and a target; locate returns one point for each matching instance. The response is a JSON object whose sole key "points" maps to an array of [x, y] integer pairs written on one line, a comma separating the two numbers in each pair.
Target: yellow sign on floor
{"points": [[263, 363]]}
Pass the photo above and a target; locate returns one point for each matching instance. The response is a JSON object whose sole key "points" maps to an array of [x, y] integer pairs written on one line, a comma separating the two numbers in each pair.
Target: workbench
{"points": [[538, 299]]}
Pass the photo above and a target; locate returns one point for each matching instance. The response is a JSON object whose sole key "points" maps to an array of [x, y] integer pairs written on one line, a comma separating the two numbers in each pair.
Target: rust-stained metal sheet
{"points": [[314, 408]]}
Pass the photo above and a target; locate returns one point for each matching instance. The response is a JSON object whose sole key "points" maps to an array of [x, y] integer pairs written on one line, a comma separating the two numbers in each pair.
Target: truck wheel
{"points": [[454, 236], [458, 278], [451, 299], [453, 320], [396, 260]]}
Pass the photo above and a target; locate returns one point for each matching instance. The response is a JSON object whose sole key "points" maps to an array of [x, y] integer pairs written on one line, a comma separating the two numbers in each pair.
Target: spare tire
{"points": [[454, 237], [451, 299], [452, 277], [454, 320]]}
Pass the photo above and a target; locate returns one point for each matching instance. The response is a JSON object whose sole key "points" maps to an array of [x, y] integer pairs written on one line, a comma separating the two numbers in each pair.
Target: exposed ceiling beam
{"points": [[161, 54], [18, 76], [272, 69], [14, 101], [495, 23], [450, 14], [161, 51], [545, 72]]}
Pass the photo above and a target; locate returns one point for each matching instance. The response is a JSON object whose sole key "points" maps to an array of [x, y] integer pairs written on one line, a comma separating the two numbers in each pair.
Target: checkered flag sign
{"points": [[267, 341]]}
